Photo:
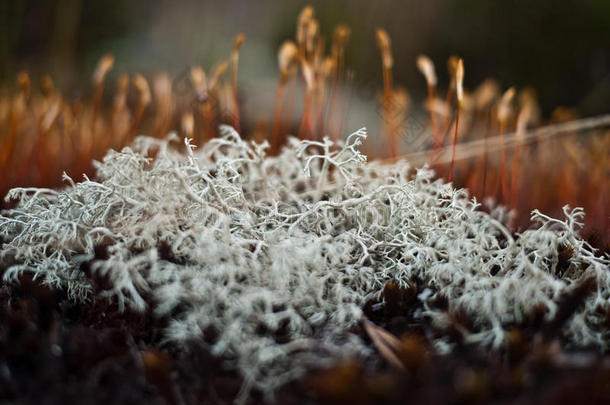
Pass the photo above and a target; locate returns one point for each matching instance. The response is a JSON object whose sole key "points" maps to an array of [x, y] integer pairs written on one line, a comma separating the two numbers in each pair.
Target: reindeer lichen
{"points": [[278, 254]]}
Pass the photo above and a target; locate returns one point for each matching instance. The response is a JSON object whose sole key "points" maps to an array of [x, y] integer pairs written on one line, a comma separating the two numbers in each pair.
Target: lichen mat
{"points": [[251, 246]]}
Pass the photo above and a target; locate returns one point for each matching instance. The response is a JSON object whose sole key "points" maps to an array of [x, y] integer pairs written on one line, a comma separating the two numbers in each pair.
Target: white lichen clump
{"points": [[250, 247]]}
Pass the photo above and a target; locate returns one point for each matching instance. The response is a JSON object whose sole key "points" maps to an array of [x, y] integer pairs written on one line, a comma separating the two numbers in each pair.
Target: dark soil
{"points": [[53, 351]]}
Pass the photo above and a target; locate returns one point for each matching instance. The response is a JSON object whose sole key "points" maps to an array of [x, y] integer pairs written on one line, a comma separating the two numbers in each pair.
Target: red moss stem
{"points": [[455, 136]]}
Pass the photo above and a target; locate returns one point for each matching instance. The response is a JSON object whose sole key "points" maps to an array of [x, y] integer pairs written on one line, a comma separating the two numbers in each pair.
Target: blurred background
{"points": [[561, 48]]}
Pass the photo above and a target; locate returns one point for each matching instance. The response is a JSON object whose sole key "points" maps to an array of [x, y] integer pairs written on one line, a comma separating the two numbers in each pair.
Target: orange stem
{"points": [[236, 123], [515, 176], [455, 136], [387, 100], [435, 135], [502, 163], [305, 126], [485, 154]]}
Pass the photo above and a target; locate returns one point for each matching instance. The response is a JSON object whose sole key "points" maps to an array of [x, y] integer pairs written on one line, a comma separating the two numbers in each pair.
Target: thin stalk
{"points": [[503, 185], [485, 151], [455, 136], [459, 80], [515, 176]]}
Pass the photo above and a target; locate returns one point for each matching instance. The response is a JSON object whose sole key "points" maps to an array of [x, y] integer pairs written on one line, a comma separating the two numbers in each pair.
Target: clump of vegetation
{"points": [[271, 258], [271, 251]]}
